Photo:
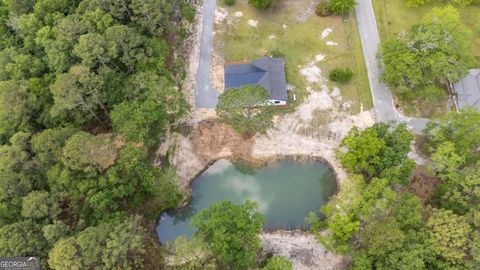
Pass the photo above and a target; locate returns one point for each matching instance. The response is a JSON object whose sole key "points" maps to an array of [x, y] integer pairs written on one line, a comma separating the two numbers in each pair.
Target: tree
{"points": [[44, 9], [77, 95], [262, 3], [116, 245], [139, 121], [126, 246], [128, 43], [378, 151], [39, 204], [460, 187], [94, 49], [89, 153], [191, 254], [97, 20], [48, 145], [22, 239], [58, 42], [131, 181], [17, 177], [436, 50], [231, 232], [55, 231], [65, 255], [20, 7], [341, 218], [381, 236], [341, 7], [462, 129], [152, 15], [278, 263], [242, 108], [15, 108], [449, 236]]}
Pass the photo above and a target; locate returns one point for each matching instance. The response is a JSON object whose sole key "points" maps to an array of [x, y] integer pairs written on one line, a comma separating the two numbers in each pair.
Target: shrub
{"points": [[188, 12], [341, 7], [341, 75], [262, 3], [323, 10], [276, 53], [229, 2]]}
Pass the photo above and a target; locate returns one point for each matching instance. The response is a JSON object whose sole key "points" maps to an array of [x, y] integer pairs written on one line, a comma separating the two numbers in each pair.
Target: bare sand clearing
{"points": [[302, 249]]}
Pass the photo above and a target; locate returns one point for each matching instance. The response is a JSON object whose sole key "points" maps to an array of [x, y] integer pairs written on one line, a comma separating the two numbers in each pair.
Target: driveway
{"points": [[382, 97], [205, 95]]}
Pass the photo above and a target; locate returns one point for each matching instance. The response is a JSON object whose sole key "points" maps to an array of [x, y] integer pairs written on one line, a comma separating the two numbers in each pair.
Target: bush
{"points": [[229, 2], [188, 12], [323, 10], [341, 75], [341, 7], [262, 3], [276, 53]]}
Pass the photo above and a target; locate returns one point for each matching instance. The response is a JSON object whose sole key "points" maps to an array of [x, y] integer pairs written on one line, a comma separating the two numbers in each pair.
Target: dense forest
{"points": [[87, 89], [391, 215]]}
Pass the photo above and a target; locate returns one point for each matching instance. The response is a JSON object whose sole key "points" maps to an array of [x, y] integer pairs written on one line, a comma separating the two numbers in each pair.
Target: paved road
{"points": [[205, 95], [382, 97]]}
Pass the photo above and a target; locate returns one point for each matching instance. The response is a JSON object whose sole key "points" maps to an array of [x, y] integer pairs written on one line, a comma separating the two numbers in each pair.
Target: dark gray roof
{"points": [[267, 72], [468, 90]]}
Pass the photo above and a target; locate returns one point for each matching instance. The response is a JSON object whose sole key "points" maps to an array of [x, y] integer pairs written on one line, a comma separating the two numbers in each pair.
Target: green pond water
{"points": [[286, 192]]}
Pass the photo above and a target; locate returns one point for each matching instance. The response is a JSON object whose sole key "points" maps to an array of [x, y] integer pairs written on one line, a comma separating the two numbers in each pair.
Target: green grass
{"points": [[415, 106], [299, 42], [394, 17]]}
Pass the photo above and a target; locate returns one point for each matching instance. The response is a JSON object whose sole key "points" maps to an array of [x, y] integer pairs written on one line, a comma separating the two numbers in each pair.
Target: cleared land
{"points": [[295, 32], [394, 17]]}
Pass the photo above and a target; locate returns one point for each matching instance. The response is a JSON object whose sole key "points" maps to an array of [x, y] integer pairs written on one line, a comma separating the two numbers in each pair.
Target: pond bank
{"points": [[302, 249]]}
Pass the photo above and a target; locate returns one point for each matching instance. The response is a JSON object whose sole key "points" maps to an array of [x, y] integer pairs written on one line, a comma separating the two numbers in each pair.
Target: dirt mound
{"points": [[203, 144]]}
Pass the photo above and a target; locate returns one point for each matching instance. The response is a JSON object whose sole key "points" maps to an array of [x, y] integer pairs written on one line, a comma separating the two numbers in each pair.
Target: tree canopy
{"points": [[231, 232], [87, 88], [437, 50], [246, 109], [377, 217]]}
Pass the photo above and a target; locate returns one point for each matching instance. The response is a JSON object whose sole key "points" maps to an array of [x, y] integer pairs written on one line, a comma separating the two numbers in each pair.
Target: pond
{"points": [[286, 191]]}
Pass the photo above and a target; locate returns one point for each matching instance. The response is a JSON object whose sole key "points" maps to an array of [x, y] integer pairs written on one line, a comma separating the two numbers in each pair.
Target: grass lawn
{"points": [[298, 37], [394, 17]]}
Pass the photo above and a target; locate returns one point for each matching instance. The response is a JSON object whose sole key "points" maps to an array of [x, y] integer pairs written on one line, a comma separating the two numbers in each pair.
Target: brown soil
{"points": [[200, 144], [422, 184], [212, 139]]}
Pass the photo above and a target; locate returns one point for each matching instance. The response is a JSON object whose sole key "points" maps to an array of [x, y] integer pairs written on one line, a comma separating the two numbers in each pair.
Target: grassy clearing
{"points": [[299, 40], [394, 17], [415, 106]]}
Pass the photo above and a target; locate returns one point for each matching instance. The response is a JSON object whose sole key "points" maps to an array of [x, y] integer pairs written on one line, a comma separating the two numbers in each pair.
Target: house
{"points": [[468, 90], [267, 72]]}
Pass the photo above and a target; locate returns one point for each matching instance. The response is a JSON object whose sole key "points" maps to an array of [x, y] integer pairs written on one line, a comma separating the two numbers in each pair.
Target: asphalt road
{"points": [[205, 95], [367, 26], [382, 97]]}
